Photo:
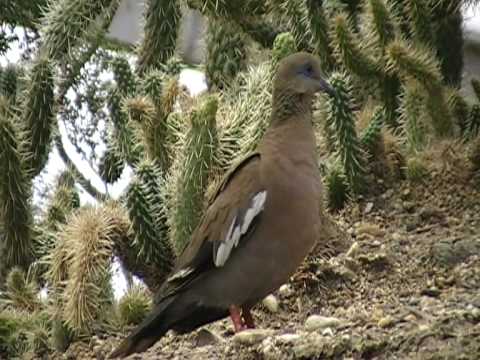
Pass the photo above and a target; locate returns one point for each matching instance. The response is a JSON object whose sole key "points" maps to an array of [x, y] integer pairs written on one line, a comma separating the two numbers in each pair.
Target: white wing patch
{"points": [[181, 274], [239, 227]]}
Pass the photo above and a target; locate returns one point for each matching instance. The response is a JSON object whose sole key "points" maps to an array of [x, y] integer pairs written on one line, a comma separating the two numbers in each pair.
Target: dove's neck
{"points": [[287, 104], [291, 132]]}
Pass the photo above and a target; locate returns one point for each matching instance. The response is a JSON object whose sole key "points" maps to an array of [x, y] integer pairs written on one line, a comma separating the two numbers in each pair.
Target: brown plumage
{"points": [[260, 225]]}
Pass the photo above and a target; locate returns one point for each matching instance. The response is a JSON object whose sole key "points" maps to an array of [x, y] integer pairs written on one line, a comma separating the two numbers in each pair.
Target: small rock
{"points": [[285, 290], [368, 207], [271, 303], [327, 332], [206, 337], [369, 229], [397, 236], [410, 318], [270, 352], [353, 250], [288, 338], [317, 322], [433, 292], [385, 322], [251, 336]]}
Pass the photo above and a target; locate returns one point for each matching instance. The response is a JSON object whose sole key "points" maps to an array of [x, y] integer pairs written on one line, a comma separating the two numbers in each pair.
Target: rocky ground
{"points": [[404, 285]]}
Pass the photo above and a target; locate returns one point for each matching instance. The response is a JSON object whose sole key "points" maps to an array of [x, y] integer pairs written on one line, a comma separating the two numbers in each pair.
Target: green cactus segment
{"points": [[134, 306], [122, 130], [295, 14], [337, 187], [247, 116], [347, 49], [473, 122], [38, 115], [283, 46], [161, 26], [200, 157], [371, 135], [9, 82], [476, 88], [146, 208], [419, 63], [421, 20], [66, 22], [412, 110], [15, 211], [21, 290], [162, 95], [422, 65], [64, 200], [460, 109], [342, 121], [320, 32], [123, 75], [89, 237], [226, 53], [380, 22], [111, 164]]}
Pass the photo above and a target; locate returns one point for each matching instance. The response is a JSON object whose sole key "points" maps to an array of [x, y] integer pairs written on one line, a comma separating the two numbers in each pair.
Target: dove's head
{"points": [[300, 74]]}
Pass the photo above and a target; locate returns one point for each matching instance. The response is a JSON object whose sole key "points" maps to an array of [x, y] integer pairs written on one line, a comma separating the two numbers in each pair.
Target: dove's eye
{"points": [[307, 70]]}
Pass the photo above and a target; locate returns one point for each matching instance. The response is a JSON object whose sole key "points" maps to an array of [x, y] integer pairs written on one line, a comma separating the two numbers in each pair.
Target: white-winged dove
{"points": [[259, 226]]}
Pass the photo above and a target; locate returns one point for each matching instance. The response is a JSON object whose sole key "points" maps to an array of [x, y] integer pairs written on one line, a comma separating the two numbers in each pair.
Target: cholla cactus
{"points": [[195, 170], [342, 122], [161, 25], [15, 188], [226, 53], [38, 114], [133, 306]]}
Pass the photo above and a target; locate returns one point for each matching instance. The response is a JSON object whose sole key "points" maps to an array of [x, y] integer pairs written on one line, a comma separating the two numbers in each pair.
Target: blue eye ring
{"points": [[307, 70]]}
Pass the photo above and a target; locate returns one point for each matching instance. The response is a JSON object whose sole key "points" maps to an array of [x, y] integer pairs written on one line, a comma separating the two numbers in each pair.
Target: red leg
{"points": [[248, 318], [236, 318]]}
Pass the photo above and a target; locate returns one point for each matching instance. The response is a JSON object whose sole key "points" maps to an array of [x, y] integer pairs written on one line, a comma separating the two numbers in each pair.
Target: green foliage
{"points": [[342, 122], [161, 24], [15, 211], [226, 53], [134, 306], [337, 187], [198, 159], [38, 116], [66, 23]]}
